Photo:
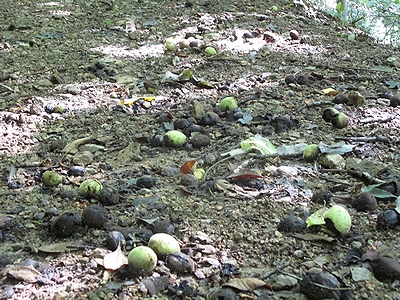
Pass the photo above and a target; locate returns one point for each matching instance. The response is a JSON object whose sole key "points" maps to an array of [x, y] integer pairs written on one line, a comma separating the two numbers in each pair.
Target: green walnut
{"points": [[339, 218], [340, 121], [170, 46], [51, 178], [174, 138], [90, 188], [142, 260], [228, 103], [210, 51], [311, 153], [164, 244]]}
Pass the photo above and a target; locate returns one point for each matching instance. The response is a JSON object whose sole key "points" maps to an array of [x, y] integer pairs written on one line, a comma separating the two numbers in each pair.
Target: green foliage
{"points": [[340, 7], [378, 18]]}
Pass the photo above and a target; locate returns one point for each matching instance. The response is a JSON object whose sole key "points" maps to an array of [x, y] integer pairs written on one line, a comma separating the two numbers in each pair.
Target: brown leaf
{"points": [[54, 248], [188, 167], [27, 274], [245, 173], [245, 284], [314, 237]]}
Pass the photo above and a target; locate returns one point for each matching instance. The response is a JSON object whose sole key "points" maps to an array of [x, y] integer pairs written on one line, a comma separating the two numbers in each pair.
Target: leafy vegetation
{"points": [[376, 17]]}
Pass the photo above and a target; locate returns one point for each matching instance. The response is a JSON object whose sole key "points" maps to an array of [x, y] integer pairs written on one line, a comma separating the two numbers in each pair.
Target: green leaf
{"points": [[377, 192], [340, 7], [381, 69], [317, 218], [397, 202], [185, 76], [393, 84], [263, 145], [351, 37]]}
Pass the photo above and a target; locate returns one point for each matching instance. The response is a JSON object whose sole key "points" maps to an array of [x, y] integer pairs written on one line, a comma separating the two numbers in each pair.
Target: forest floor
{"points": [[88, 89]]}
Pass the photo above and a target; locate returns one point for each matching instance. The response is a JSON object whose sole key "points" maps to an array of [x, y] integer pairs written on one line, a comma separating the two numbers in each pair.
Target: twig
{"points": [[364, 139], [216, 164], [11, 174], [6, 87]]}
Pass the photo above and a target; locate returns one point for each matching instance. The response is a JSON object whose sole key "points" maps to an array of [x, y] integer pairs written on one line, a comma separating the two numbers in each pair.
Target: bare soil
{"points": [[74, 91]]}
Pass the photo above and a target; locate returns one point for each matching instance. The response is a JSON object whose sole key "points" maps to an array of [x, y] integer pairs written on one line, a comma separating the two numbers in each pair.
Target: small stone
{"points": [[332, 161], [209, 119], [115, 238], [321, 196], [395, 100], [124, 221], [294, 34], [146, 182], [290, 79], [340, 99], [83, 158], [200, 140], [302, 79], [189, 180], [387, 219], [76, 171], [156, 141], [164, 226], [385, 269], [355, 98], [58, 144], [181, 123], [329, 283]]}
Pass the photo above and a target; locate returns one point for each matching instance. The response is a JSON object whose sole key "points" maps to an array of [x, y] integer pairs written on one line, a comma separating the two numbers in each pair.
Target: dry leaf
{"points": [[27, 274], [314, 237], [188, 167], [73, 146], [54, 248], [245, 284], [115, 260]]}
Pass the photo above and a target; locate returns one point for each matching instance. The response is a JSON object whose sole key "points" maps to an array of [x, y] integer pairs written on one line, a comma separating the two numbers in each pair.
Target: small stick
{"points": [[6, 87]]}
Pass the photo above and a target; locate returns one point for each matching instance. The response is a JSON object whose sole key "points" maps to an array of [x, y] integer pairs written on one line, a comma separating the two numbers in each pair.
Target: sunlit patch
{"points": [[60, 12], [124, 52], [52, 3]]}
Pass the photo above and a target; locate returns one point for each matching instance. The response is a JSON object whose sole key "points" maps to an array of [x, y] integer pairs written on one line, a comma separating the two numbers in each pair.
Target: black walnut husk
{"points": [[67, 224], [292, 224], [94, 216], [365, 202], [109, 196]]}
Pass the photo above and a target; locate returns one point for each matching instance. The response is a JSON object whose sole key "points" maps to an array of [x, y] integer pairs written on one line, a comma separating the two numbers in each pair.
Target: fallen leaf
{"points": [[245, 173], [115, 260], [73, 146], [188, 167], [25, 273], [263, 145], [314, 237], [54, 248], [245, 284]]}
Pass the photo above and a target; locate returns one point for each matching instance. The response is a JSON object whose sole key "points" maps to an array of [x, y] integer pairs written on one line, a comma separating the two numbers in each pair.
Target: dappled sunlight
{"points": [[125, 52]]}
